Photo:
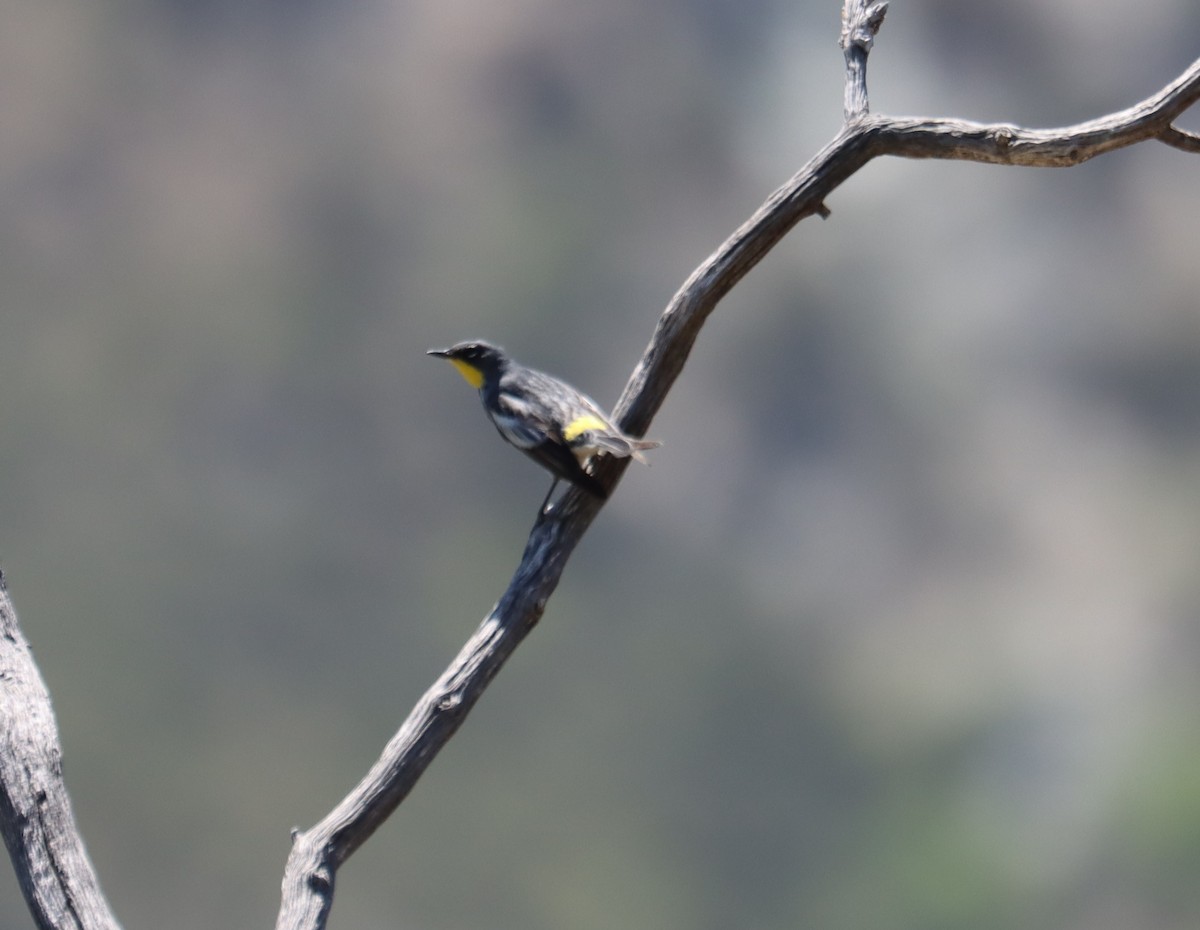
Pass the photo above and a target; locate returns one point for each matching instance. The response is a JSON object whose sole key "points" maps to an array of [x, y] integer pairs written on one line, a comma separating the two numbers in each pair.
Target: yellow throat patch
{"points": [[472, 374]]}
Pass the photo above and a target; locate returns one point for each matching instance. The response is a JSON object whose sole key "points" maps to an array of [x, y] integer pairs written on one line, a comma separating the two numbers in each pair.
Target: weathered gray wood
{"points": [[861, 22], [52, 866]]}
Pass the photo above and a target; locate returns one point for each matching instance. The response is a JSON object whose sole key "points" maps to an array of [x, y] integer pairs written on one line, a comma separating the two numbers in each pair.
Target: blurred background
{"points": [[900, 630]]}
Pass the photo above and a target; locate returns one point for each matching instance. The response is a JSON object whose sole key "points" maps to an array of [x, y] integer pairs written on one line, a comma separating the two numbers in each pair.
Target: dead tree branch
{"points": [[52, 866], [1180, 139], [309, 877], [861, 22], [38, 827]]}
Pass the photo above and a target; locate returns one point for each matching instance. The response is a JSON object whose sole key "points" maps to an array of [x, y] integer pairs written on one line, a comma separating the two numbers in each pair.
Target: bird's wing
{"points": [[520, 422]]}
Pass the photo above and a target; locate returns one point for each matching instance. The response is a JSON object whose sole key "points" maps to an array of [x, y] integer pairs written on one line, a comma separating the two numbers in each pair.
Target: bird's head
{"points": [[476, 361]]}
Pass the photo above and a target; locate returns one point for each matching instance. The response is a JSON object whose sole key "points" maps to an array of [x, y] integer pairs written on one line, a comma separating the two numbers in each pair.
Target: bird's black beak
{"points": [[439, 353]]}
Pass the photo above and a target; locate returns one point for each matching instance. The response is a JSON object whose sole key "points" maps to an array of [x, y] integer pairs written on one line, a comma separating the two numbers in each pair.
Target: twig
{"points": [[1180, 139], [861, 22]]}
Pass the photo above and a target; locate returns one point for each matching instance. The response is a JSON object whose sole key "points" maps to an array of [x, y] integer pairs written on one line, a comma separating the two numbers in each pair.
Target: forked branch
{"points": [[308, 881], [35, 816]]}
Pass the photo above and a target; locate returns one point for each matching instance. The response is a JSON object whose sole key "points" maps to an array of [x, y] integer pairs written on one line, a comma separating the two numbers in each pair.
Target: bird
{"points": [[555, 424]]}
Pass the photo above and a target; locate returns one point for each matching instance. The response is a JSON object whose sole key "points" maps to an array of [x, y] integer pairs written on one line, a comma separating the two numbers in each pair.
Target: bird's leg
{"points": [[553, 485]]}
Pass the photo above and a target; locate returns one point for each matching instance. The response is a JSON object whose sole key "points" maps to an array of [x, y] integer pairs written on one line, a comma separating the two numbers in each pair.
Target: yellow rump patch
{"points": [[581, 425], [473, 375]]}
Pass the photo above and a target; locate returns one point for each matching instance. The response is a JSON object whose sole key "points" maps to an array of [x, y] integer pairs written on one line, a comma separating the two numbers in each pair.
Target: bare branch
{"points": [[35, 815], [861, 22], [1002, 144], [316, 854], [1180, 139], [52, 866], [309, 876]]}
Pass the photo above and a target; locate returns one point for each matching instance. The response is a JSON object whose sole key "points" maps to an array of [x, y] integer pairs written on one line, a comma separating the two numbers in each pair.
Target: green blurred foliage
{"points": [[898, 631]]}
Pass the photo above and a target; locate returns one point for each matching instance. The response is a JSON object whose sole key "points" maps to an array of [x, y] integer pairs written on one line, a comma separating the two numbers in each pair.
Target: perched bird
{"points": [[557, 426]]}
